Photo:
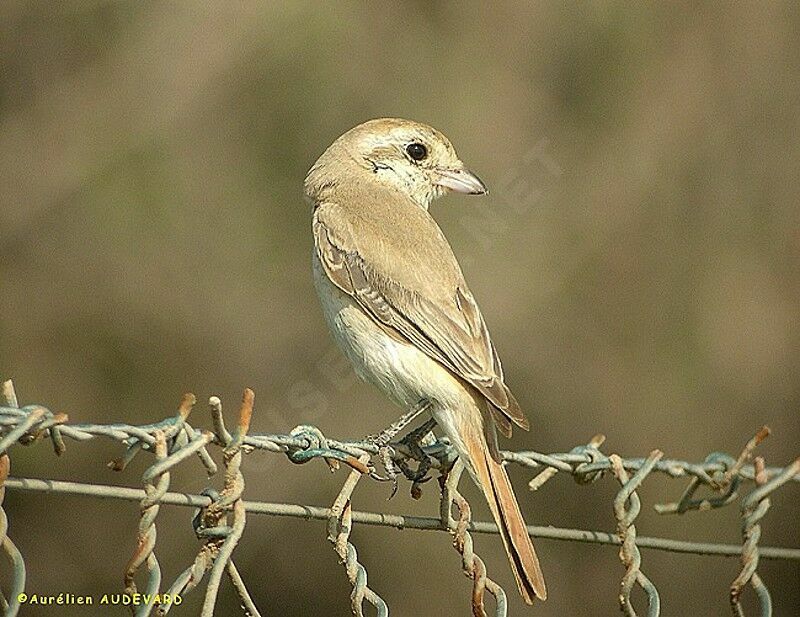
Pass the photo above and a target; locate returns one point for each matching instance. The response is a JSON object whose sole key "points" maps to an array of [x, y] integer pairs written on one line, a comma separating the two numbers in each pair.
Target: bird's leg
{"points": [[413, 441], [383, 438]]}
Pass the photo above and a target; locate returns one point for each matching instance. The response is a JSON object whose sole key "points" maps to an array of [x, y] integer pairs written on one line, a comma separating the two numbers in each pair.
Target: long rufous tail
{"points": [[503, 504]]}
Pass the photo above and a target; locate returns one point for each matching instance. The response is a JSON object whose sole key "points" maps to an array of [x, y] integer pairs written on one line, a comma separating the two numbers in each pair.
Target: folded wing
{"points": [[450, 328]]}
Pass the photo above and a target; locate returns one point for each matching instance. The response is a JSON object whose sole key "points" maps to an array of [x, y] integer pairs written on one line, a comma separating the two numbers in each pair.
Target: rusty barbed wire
{"points": [[340, 524], [472, 565], [627, 506], [753, 509], [220, 516], [145, 549], [210, 521]]}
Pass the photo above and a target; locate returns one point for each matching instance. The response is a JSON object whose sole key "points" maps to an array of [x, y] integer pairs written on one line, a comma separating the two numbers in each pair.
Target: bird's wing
{"points": [[447, 326]]}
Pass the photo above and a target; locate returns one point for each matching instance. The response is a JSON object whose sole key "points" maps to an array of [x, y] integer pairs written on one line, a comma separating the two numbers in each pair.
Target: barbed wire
{"points": [[220, 518]]}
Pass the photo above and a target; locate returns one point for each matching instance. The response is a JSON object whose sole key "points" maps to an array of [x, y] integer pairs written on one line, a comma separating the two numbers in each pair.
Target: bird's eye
{"points": [[417, 151]]}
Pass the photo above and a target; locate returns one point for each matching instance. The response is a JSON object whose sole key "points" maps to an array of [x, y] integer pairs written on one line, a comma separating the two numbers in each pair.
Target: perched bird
{"points": [[397, 303]]}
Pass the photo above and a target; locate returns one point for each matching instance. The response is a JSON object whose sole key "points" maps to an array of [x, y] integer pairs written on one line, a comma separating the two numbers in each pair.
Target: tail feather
{"points": [[505, 510]]}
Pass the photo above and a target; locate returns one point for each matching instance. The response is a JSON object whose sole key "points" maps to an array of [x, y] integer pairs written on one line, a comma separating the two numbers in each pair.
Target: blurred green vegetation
{"points": [[641, 280]]}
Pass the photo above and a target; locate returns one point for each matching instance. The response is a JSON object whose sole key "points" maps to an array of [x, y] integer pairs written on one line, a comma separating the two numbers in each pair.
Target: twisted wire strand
{"points": [[191, 576], [146, 539], [340, 525], [211, 520], [754, 508], [627, 506], [471, 564], [230, 498]]}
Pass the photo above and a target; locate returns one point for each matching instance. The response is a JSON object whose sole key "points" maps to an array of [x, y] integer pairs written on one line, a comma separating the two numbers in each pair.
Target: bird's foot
{"points": [[385, 456], [412, 448], [413, 443]]}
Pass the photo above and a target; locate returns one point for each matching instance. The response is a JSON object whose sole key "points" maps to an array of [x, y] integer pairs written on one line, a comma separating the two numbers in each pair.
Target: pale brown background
{"points": [[640, 279]]}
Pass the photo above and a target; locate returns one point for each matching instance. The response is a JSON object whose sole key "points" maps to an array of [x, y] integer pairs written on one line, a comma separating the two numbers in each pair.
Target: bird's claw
{"points": [[393, 468], [385, 455], [415, 475]]}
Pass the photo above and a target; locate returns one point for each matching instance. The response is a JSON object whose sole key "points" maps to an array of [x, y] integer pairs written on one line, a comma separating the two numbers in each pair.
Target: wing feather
{"points": [[451, 332]]}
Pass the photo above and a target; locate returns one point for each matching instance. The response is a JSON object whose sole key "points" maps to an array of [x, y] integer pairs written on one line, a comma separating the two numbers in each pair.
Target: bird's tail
{"points": [[497, 489]]}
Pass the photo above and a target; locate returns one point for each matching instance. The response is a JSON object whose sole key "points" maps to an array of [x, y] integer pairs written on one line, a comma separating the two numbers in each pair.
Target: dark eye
{"points": [[417, 151]]}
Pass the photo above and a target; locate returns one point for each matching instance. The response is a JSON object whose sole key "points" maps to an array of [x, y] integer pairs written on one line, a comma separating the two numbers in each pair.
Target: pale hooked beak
{"points": [[461, 181]]}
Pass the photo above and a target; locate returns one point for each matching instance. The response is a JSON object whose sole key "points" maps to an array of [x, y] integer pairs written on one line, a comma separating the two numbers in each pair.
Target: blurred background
{"points": [[636, 261]]}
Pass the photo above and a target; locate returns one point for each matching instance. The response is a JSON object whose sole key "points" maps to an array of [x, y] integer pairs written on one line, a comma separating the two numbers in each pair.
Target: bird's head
{"points": [[410, 156]]}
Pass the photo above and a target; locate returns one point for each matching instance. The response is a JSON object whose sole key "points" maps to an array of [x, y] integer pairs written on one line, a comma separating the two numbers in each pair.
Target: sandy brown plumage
{"points": [[398, 303]]}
